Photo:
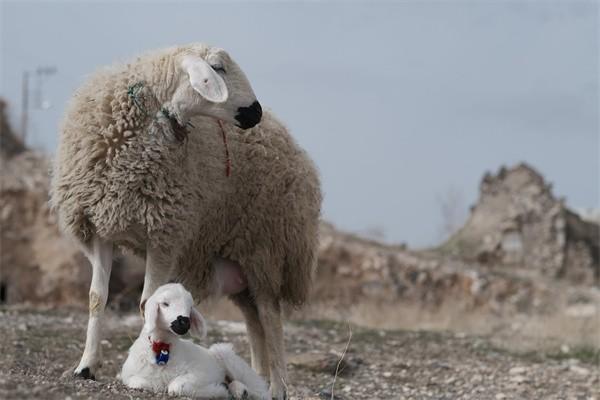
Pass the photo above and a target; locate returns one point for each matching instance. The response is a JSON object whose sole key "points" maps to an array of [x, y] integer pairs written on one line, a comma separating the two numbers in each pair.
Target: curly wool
{"points": [[122, 175]]}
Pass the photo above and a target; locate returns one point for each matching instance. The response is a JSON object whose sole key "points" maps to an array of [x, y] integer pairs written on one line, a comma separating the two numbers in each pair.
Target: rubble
{"points": [[354, 270]]}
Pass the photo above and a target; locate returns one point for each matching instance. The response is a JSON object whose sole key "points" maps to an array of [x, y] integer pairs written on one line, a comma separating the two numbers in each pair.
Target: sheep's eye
{"points": [[164, 303], [218, 68]]}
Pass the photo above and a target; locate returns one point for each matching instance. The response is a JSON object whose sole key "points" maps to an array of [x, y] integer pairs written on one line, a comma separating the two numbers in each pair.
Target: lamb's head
{"points": [[171, 310], [211, 83]]}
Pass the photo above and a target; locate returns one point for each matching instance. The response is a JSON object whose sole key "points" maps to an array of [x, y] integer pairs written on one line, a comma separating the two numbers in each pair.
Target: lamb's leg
{"points": [[256, 335], [100, 257], [269, 312], [158, 269], [186, 385], [137, 382], [238, 390]]}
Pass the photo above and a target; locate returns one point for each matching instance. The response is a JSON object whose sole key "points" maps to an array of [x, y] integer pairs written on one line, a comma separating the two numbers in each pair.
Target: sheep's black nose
{"points": [[181, 325], [249, 116]]}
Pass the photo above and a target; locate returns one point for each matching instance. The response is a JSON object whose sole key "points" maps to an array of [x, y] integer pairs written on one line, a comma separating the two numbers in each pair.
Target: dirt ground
{"points": [[37, 347]]}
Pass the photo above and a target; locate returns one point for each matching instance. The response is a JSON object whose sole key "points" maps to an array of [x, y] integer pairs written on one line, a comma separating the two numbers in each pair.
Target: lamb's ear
{"points": [[197, 324], [205, 80], [150, 315]]}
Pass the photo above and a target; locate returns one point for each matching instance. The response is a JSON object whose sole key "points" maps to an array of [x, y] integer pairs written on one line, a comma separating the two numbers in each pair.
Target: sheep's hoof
{"points": [[84, 373], [283, 396]]}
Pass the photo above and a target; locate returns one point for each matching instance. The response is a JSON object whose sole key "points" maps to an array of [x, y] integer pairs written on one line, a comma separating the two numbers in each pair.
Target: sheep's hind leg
{"points": [[269, 312], [100, 256], [256, 335]]}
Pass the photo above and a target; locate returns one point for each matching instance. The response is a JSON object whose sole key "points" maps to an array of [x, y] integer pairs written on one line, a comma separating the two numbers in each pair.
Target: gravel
{"points": [[39, 349]]}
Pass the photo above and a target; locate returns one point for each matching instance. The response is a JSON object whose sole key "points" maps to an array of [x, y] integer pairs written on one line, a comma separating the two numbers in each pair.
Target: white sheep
{"points": [[160, 361], [141, 165]]}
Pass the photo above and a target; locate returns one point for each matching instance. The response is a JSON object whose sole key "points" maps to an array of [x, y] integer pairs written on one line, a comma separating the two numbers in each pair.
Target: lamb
{"points": [[141, 166], [162, 362]]}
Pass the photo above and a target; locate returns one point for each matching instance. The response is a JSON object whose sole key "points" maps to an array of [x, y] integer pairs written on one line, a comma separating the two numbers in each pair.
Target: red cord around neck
{"points": [[227, 159], [157, 347]]}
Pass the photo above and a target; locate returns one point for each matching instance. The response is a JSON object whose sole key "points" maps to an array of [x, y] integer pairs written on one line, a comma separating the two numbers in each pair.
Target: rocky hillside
{"points": [[37, 264], [521, 251]]}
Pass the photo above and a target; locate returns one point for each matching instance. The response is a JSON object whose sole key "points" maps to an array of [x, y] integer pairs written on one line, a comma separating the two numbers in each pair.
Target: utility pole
{"points": [[40, 73], [24, 105]]}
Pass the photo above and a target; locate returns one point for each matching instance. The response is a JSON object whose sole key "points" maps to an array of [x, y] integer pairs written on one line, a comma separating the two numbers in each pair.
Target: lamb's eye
{"points": [[165, 304], [218, 68]]}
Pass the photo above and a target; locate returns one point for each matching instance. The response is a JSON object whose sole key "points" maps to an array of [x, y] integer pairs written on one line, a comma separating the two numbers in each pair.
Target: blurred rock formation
{"points": [[518, 221], [518, 240]]}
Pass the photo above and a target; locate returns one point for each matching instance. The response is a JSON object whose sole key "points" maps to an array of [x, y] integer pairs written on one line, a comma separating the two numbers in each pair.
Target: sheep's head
{"points": [[171, 310], [212, 84]]}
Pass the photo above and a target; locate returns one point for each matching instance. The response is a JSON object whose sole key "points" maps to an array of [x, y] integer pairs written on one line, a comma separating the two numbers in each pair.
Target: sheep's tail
{"points": [[238, 370]]}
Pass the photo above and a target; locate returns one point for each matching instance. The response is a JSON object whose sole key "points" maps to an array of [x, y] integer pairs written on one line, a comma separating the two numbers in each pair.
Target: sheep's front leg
{"points": [[158, 269], [100, 257]]}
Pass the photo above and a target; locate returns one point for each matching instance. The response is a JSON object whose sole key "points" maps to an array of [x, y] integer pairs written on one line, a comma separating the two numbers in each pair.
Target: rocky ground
{"points": [[37, 347]]}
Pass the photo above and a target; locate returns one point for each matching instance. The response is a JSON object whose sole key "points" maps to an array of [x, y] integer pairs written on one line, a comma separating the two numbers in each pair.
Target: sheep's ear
{"points": [[197, 324], [150, 315], [205, 80]]}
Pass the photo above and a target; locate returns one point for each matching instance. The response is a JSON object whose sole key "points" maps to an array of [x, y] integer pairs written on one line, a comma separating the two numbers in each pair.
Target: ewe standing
{"points": [[141, 165]]}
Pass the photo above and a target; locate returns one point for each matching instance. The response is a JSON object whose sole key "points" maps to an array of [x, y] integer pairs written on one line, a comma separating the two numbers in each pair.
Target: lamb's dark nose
{"points": [[249, 116], [181, 325]]}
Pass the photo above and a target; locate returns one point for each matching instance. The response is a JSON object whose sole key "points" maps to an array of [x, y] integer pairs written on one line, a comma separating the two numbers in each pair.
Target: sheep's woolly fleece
{"points": [[122, 174]]}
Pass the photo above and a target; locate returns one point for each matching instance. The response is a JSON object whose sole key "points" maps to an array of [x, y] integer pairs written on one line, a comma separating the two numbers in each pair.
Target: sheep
{"points": [[160, 361], [141, 166]]}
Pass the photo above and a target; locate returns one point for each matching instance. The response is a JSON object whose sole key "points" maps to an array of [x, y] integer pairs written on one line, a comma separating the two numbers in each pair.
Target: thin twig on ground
{"points": [[337, 368]]}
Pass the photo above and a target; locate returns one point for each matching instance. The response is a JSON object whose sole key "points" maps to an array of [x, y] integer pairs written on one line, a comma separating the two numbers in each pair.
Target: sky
{"points": [[402, 105]]}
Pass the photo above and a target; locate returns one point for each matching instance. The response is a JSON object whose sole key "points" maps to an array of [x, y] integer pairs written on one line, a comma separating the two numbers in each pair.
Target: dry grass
{"points": [[519, 332]]}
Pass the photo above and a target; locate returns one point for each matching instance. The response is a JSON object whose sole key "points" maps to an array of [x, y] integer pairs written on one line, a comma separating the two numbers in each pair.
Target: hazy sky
{"points": [[397, 102]]}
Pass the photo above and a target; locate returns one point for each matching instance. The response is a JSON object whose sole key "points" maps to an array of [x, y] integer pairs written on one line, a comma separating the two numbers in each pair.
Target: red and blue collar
{"points": [[161, 351]]}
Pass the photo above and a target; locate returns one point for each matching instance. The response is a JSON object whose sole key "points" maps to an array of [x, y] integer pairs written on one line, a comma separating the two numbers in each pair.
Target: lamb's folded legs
{"points": [[158, 271], [100, 255], [187, 385]]}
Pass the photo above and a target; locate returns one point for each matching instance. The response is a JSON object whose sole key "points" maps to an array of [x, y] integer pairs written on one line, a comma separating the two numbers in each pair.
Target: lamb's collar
{"points": [[161, 351]]}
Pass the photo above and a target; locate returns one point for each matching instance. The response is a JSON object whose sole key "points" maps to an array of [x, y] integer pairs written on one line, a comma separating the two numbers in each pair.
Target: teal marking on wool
{"points": [[133, 92], [165, 112]]}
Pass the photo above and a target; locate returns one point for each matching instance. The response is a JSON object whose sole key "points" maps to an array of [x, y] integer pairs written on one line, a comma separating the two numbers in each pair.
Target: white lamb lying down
{"points": [[159, 360]]}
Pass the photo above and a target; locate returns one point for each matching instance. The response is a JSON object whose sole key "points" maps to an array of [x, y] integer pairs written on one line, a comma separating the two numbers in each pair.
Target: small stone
{"points": [[500, 396], [579, 370], [323, 362], [387, 374], [517, 370], [519, 379]]}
